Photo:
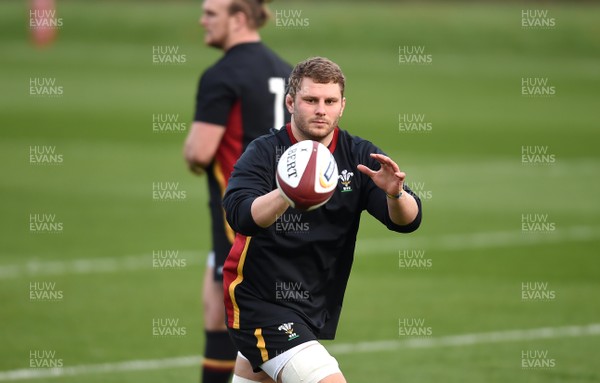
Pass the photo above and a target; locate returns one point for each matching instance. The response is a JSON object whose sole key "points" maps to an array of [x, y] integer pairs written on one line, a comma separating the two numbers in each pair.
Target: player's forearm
{"points": [[201, 145], [403, 210], [267, 208]]}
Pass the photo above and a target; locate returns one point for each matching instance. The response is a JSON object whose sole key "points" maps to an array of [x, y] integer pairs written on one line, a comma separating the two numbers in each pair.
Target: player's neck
{"points": [[242, 38]]}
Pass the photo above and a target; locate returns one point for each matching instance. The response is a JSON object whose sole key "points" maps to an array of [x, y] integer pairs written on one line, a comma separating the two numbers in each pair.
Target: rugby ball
{"points": [[307, 175]]}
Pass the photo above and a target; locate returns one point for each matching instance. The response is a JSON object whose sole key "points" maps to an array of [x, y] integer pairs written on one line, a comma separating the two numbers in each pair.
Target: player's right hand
{"points": [[196, 168]]}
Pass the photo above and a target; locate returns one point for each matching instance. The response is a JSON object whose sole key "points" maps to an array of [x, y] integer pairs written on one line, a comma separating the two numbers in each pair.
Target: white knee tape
{"points": [[310, 365], [239, 379]]}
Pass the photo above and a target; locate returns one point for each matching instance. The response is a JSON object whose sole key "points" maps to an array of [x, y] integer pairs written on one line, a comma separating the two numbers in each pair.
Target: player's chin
{"points": [[321, 130], [212, 42], [321, 126]]}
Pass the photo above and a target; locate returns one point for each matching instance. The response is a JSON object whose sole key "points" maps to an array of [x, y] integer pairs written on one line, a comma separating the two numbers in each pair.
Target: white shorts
{"points": [[210, 260]]}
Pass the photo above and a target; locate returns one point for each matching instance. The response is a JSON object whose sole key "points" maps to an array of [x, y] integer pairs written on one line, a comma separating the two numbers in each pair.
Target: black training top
{"points": [[297, 269], [244, 92]]}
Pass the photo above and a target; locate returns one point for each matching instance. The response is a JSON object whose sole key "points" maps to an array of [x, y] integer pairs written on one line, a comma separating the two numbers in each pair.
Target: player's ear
{"points": [[343, 106], [239, 21], [289, 103]]}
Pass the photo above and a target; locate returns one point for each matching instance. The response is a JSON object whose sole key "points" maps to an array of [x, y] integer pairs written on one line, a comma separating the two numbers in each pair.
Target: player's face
{"points": [[316, 110], [215, 21]]}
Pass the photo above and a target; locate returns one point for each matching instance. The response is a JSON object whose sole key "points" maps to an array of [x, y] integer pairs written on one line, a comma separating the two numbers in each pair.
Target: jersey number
{"points": [[277, 87]]}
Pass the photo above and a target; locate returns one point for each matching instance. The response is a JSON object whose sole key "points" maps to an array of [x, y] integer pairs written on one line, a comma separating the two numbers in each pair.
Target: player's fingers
{"points": [[366, 170], [392, 164], [196, 169], [379, 157], [385, 160]]}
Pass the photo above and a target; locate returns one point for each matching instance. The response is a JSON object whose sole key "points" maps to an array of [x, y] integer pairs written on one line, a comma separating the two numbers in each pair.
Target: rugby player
{"points": [[284, 288], [239, 98]]}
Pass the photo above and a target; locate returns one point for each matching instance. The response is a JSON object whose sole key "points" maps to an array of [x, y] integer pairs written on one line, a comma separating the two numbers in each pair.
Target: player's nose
{"points": [[320, 108]]}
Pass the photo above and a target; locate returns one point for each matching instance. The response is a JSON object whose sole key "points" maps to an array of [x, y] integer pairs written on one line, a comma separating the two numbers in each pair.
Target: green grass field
{"points": [[468, 168]]}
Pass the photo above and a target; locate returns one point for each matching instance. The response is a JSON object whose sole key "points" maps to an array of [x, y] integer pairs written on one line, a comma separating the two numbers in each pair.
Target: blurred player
{"points": [[239, 98], [43, 22], [277, 336]]}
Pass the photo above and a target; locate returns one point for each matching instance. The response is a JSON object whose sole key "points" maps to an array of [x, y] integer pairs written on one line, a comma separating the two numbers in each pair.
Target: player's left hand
{"points": [[389, 178]]}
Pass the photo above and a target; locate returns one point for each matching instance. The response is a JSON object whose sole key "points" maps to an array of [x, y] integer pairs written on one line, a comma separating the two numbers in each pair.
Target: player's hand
{"points": [[196, 168], [389, 178]]}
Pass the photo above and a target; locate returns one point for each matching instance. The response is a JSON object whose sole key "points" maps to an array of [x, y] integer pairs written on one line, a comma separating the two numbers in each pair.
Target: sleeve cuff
{"points": [[247, 226]]}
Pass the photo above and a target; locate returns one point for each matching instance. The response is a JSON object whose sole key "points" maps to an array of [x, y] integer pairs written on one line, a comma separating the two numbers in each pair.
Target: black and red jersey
{"points": [[244, 92], [297, 269]]}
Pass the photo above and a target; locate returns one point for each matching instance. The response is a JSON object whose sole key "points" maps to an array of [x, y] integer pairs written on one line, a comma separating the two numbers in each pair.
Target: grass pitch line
{"points": [[86, 369], [468, 339], [367, 246], [479, 240], [336, 349], [90, 265]]}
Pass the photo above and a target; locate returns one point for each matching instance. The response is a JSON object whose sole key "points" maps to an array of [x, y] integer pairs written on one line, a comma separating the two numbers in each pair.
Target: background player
{"points": [[43, 22], [239, 98], [280, 336]]}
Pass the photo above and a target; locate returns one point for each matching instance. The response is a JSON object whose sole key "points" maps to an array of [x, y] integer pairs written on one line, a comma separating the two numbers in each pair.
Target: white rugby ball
{"points": [[307, 175]]}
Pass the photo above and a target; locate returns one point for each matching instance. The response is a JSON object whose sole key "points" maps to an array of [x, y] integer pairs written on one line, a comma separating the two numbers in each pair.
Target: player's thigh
{"points": [[335, 378], [212, 298], [244, 369]]}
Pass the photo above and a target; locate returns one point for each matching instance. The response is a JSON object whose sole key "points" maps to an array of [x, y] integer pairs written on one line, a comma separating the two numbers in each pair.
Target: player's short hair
{"points": [[319, 69], [256, 11]]}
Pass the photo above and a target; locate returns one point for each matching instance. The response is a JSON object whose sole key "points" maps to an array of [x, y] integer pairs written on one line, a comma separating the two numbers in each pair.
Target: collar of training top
{"points": [[331, 146]]}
